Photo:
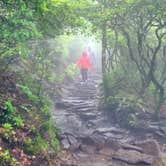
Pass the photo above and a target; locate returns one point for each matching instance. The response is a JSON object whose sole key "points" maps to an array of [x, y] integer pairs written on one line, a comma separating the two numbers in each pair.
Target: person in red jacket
{"points": [[85, 64]]}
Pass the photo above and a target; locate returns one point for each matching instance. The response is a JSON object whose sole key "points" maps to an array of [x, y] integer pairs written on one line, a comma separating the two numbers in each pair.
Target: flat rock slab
{"points": [[133, 157], [132, 147], [94, 160], [87, 116]]}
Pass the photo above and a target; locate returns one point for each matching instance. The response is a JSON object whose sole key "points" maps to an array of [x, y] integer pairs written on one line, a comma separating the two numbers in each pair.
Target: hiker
{"points": [[91, 55], [85, 64]]}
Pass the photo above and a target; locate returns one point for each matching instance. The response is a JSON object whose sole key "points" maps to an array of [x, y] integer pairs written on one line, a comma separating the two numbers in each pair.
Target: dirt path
{"points": [[89, 136]]}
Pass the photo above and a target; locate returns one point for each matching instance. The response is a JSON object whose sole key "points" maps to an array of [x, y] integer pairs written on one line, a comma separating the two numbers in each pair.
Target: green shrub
{"points": [[48, 128], [7, 126], [45, 110], [6, 159], [132, 120], [35, 146], [71, 71], [124, 109], [25, 108], [28, 92], [10, 115], [18, 121], [8, 132]]}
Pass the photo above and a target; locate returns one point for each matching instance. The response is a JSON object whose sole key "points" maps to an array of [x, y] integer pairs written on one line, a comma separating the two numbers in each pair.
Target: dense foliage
{"points": [[36, 57], [133, 37]]}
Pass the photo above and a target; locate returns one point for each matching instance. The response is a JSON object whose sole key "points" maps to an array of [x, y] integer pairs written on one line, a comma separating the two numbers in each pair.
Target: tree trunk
{"points": [[104, 46]]}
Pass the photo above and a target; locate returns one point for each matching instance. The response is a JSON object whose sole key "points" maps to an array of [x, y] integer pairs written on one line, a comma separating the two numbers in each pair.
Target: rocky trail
{"points": [[91, 139]]}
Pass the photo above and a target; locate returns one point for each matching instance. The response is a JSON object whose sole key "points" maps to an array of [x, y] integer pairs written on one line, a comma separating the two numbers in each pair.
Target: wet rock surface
{"points": [[89, 136], [133, 157]]}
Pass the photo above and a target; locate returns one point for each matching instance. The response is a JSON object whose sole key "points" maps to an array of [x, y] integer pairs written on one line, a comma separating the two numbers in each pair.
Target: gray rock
{"points": [[133, 157], [87, 149], [65, 143], [131, 147], [113, 144], [149, 146], [74, 143]]}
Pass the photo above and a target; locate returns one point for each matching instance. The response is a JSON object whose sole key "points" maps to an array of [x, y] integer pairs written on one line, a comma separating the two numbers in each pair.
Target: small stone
{"points": [[65, 143]]}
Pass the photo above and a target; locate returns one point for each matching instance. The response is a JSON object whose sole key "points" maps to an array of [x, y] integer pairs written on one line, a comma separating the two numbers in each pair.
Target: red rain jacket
{"points": [[84, 62]]}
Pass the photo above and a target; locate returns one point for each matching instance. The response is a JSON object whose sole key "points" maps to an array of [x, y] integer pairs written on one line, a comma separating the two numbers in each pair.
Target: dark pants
{"points": [[84, 73]]}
